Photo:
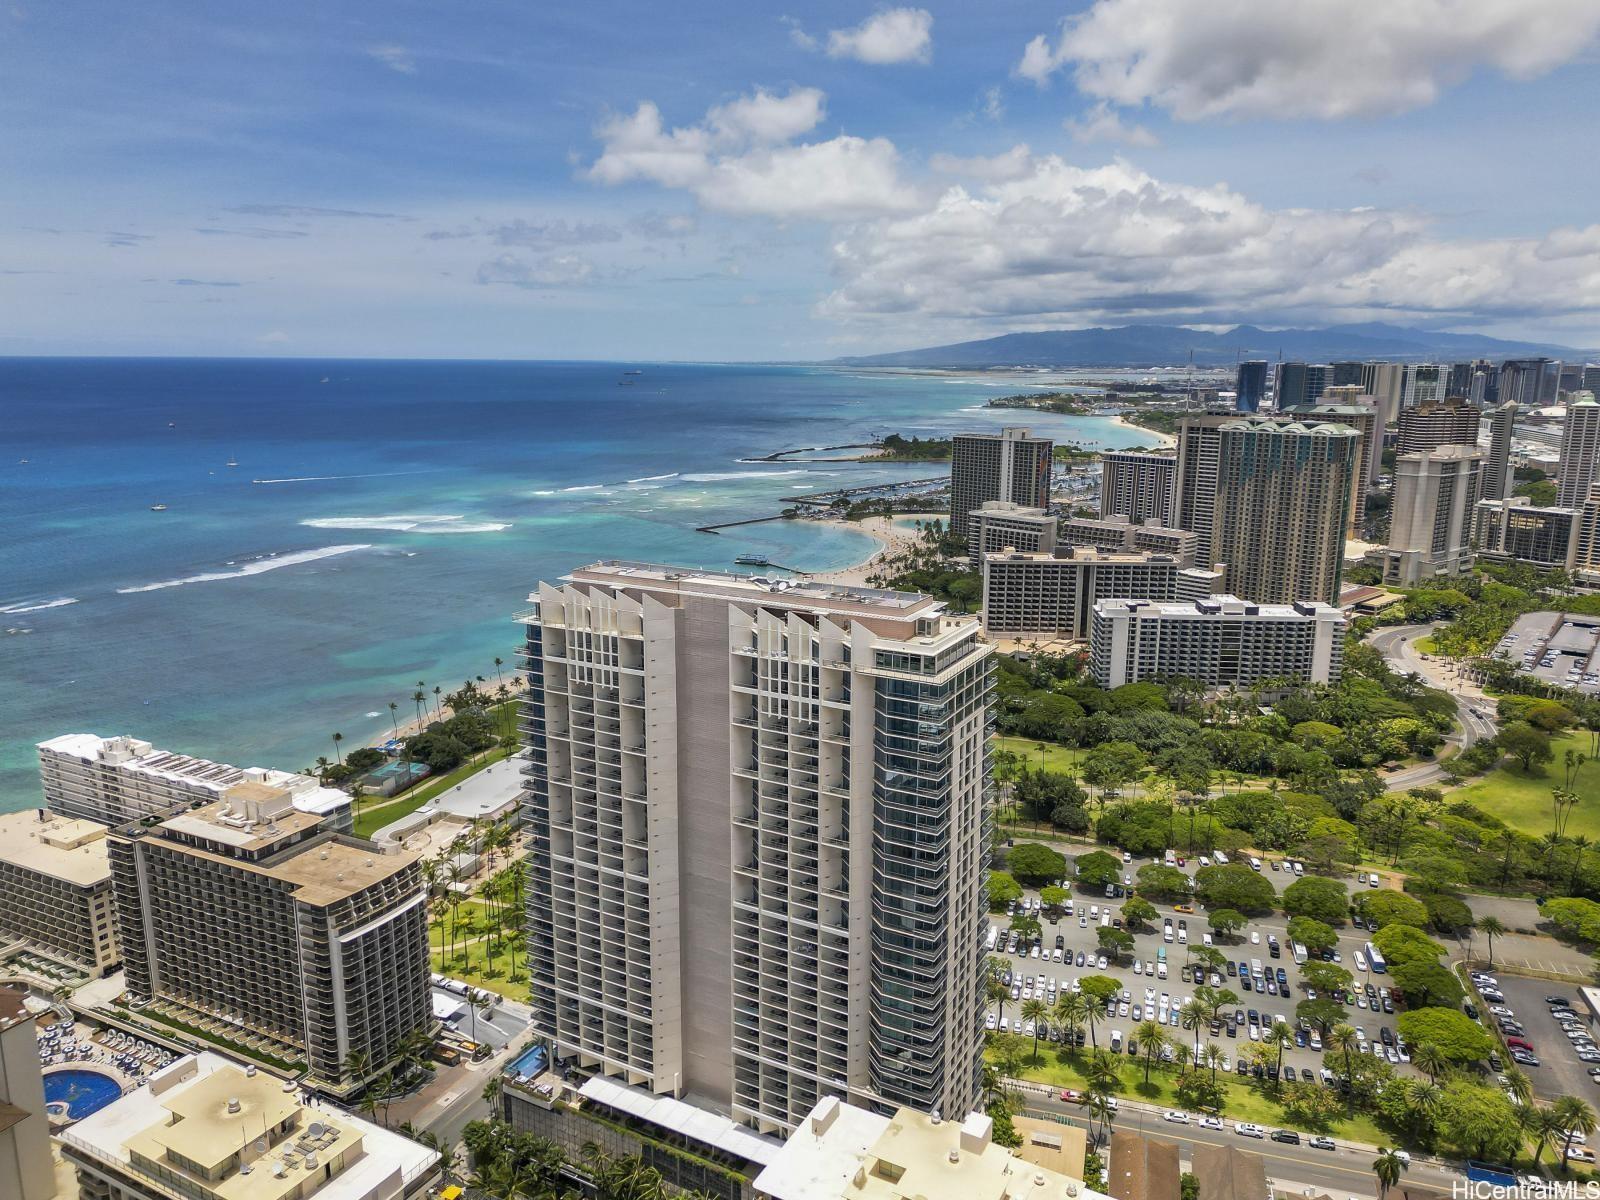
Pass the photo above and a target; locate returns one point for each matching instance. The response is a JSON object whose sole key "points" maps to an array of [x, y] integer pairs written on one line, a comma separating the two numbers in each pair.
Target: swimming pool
{"points": [[82, 1091], [530, 1063]]}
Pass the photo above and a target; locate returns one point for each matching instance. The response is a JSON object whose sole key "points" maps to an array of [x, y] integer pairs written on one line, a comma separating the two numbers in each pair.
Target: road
{"points": [[1345, 1171], [1396, 644]]}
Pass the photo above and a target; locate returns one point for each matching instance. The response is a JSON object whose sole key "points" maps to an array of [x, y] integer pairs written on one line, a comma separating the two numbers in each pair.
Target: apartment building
{"points": [[1448, 422], [1498, 475], [1049, 596], [26, 1170], [1220, 641], [1361, 414], [1530, 382], [55, 890], [842, 1152], [1517, 530], [114, 780], [250, 920], [999, 524], [1430, 523], [1281, 508], [1010, 465], [1194, 497], [757, 816], [1580, 450], [1137, 485], [1119, 533], [206, 1129], [1298, 384], [1250, 386]]}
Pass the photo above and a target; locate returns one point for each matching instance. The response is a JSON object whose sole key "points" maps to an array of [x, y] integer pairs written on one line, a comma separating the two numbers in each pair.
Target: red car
{"points": [[1181, 861], [1072, 1096], [1518, 1043]]}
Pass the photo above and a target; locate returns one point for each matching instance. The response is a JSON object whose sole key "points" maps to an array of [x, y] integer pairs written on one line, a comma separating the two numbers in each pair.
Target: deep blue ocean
{"points": [[382, 524]]}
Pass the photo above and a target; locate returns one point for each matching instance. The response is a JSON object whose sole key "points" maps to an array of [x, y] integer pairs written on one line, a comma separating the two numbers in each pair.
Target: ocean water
{"points": [[383, 523]]}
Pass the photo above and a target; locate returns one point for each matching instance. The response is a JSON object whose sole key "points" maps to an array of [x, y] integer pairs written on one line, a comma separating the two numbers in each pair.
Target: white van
{"points": [[1255, 863], [1105, 918], [994, 936], [1360, 959], [1220, 859], [1255, 967]]}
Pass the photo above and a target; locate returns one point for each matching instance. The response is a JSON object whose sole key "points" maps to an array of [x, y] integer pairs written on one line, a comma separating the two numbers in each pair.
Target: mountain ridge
{"points": [[1171, 345]]}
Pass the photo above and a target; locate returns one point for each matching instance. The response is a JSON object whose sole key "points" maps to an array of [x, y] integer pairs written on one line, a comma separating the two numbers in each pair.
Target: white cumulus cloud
{"points": [[1105, 124], [896, 35], [742, 158], [1304, 58]]}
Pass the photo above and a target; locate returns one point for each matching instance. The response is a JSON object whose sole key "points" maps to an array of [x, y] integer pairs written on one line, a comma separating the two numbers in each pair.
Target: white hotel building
{"points": [[115, 780], [757, 815], [1220, 641]]}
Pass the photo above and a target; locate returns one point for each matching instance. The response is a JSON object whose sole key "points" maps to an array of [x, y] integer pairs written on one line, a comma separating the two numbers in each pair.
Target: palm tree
{"points": [[1520, 1085], [1429, 1057], [498, 663], [1387, 1167], [1425, 1097], [1574, 1116], [438, 704], [337, 738], [1540, 1124], [1100, 1110], [1342, 1037], [417, 697], [1579, 845], [1279, 1036], [322, 765], [1212, 1055], [1095, 1011], [1103, 1069], [1193, 1014], [1072, 1011], [1035, 1011], [357, 1065], [1491, 927], [394, 718], [1153, 1038], [1551, 842]]}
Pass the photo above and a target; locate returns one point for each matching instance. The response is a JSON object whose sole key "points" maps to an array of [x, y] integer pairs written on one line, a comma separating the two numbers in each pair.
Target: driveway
{"points": [[1397, 645]]}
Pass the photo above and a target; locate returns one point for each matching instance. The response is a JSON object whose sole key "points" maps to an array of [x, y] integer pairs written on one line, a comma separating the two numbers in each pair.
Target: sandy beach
{"points": [[1156, 439], [892, 540]]}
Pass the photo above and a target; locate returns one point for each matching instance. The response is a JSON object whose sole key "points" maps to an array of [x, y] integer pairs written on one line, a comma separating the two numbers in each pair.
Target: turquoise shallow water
{"points": [[383, 523]]}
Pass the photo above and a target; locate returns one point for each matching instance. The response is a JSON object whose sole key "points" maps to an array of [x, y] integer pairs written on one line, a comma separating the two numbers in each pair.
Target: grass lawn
{"points": [[1242, 1101], [1523, 801], [495, 975], [1056, 757], [1425, 645], [375, 816]]}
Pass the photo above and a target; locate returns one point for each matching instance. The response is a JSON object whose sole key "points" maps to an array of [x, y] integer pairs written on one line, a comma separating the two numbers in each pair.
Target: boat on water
{"points": [[232, 462], [753, 560], [158, 508], [635, 372]]}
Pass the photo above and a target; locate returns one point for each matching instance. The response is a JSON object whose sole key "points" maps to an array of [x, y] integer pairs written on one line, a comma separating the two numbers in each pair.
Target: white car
{"points": [[1255, 938], [1245, 1129], [991, 1022], [1175, 1116], [1100, 963], [1211, 1122], [1138, 967]]}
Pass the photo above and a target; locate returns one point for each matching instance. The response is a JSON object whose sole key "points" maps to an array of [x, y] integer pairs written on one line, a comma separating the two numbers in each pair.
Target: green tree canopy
{"points": [[1053, 898], [1461, 1038], [1114, 942], [1101, 987], [1112, 764], [1427, 983], [1405, 944], [1326, 900], [1574, 917], [1528, 745], [1162, 882], [1478, 1120], [1312, 933], [1139, 911], [1034, 864], [1392, 908], [1226, 920], [1097, 868], [1003, 889], [1234, 886]]}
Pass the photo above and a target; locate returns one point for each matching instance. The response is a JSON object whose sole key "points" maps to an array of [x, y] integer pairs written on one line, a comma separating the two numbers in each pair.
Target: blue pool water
{"points": [[530, 1063], [83, 1092]]}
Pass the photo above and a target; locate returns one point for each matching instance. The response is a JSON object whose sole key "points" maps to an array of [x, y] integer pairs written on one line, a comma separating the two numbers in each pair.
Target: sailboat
{"points": [[232, 462]]}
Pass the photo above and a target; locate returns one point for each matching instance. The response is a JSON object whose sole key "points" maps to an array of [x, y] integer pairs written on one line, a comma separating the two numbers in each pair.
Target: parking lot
{"points": [[1079, 933], [1560, 1072]]}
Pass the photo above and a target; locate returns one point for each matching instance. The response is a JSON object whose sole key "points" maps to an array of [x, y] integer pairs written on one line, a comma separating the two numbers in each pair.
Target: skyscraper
{"points": [[1194, 492], [1496, 480], [1435, 499], [1423, 383], [1009, 465], [1448, 422], [1361, 414], [1460, 380], [1580, 450], [1348, 374], [1299, 384], [1386, 381], [1136, 485], [1530, 382], [1591, 378], [1250, 388], [758, 822], [247, 918], [1282, 508]]}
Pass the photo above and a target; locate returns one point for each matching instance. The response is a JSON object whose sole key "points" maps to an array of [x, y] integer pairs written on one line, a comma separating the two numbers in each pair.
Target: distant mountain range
{"points": [[1171, 345]]}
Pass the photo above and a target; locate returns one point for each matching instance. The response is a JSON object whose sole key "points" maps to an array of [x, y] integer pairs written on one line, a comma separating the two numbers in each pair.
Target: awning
{"points": [[707, 1128]]}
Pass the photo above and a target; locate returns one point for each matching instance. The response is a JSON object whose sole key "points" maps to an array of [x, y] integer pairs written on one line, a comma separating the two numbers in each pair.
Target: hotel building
{"points": [[1448, 422], [247, 919], [757, 817], [1430, 525], [205, 1129], [1118, 533], [1580, 450], [1010, 465], [119, 779], [26, 1170], [1137, 485], [999, 525], [55, 890], [1517, 530], [1050, 596], [1220, 641]]}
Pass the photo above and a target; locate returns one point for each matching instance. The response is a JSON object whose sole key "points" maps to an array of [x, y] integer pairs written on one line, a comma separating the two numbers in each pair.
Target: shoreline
{"points": [[891, 539], [413, 726], [1162, 439]]}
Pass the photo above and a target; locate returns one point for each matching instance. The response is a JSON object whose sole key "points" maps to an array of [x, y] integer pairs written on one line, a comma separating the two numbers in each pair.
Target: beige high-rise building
{"points": [[1580, 450], [247, 919], [1010, 465], [1430, 524], [55, 890], [1046, 597], [1282, 507], [1359, 412], [1137, 484], [1000, 524], [1498, 476], [1448, 422], [26, 1171], [757, 816], [1194, 496]]}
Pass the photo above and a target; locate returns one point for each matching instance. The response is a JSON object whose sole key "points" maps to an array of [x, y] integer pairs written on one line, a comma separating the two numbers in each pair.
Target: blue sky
{"points": [[735, 181]]}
